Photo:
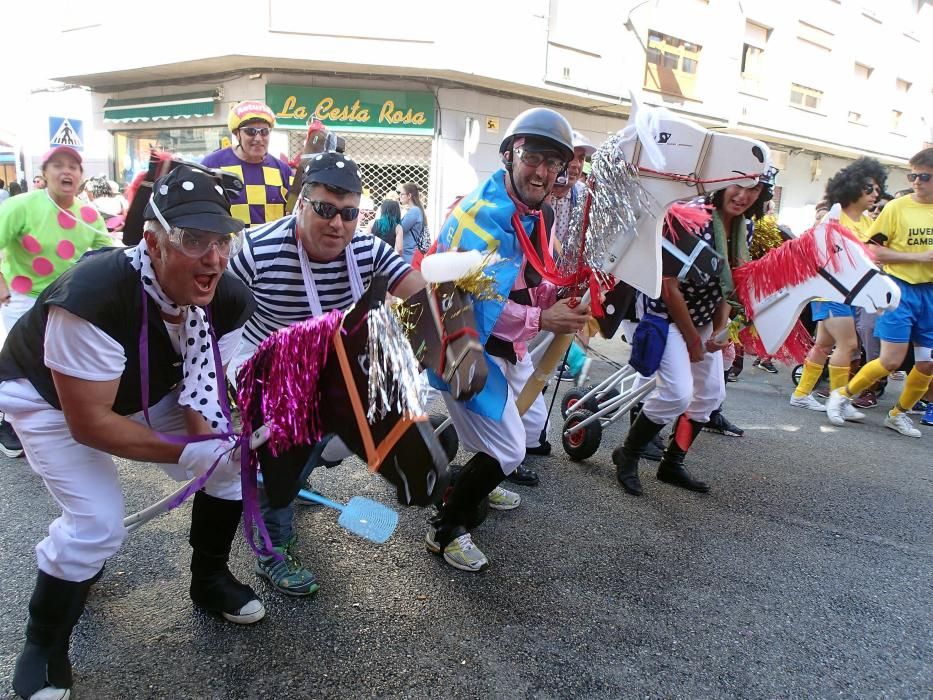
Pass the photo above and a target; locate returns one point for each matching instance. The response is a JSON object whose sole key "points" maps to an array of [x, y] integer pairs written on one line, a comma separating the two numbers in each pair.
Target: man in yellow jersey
{"points": [[903, 239]]}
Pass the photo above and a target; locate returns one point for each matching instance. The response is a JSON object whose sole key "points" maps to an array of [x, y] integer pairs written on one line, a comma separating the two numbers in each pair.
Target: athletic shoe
{"points": [[821, 393], [866, 399], [464, 555], [503, 499], [919, 408], [721, 425], [849, 412], [898, 376], [806, 401], [731, 377], [766, 365], [9, 440], [287, 575], [902, 424], [834, 407], [928, 416]]}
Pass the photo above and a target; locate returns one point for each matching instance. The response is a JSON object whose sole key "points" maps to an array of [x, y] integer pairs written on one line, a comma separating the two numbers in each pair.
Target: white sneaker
{"points": [[849, 412], [807, 401], [902, 424], [835, 407], [464, 555], [898, 376], [503, 499]]}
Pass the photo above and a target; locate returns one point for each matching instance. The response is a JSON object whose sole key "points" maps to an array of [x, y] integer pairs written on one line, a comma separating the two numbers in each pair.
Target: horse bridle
{"points": [[849, 294]]}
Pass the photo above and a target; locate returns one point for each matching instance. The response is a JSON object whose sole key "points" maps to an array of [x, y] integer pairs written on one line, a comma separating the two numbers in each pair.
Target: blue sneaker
{"points": [[919, 408], [928, 415]]}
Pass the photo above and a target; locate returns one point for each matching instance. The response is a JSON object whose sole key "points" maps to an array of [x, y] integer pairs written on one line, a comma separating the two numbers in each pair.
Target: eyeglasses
{"points": [[256, 130], [197, 245], [328, 211], [534, 160], [869, 188], [401, 192], [923, 177]]}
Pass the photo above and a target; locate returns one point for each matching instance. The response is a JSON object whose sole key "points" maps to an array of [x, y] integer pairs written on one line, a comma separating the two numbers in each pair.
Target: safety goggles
{"points": [[534, 160], [328, 211], [923, 177], [255, 130], [198, 244]]}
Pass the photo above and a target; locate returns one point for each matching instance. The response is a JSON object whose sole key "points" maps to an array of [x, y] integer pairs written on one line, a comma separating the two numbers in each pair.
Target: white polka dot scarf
{"points": [[202, 378]]}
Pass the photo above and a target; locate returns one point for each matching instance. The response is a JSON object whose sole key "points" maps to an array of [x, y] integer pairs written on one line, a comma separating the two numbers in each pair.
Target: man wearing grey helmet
{"points": [[299, 267], [122, 356]]}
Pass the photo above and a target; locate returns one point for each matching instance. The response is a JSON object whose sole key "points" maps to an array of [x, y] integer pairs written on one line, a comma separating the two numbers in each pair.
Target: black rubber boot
{"points": [[54, 610], [626, 455], [479, 477], [214, 524], [655, 448], [672, 470]]}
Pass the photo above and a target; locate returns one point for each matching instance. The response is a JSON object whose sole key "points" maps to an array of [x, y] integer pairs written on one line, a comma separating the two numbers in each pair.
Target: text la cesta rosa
{"points": [[327, 109]]}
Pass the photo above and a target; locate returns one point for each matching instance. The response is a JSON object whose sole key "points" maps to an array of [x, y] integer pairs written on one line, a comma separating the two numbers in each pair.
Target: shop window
{"points": [[855, 117], [896, 118], [808, 98], [671, 65], [385, 162], [132, 147]]}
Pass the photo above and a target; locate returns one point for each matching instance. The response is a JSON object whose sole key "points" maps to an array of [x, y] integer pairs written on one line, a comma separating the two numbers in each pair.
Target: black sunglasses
{"points": [[923, 177], [328, 211], [869, 188], [255, 130]]}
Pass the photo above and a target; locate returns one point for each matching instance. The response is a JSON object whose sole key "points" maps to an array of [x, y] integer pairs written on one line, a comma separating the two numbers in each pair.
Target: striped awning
{"points": [[142, 109]]}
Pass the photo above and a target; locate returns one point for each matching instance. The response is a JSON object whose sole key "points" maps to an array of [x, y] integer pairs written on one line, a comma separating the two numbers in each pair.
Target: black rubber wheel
{"points": [[795, 374], [450, 441], [582, 443], [571, 398]]}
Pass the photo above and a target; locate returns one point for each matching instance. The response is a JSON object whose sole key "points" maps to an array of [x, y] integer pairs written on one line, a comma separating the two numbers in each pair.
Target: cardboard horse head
{"points": [[675, 160], [295, 396]]}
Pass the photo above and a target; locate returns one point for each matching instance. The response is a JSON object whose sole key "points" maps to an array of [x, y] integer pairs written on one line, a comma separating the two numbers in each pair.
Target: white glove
{"points": [[198, 457]]}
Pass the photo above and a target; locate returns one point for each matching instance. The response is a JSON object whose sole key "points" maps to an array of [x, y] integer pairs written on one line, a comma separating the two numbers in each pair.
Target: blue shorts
{"points": [[913, 317], [830, 309]]}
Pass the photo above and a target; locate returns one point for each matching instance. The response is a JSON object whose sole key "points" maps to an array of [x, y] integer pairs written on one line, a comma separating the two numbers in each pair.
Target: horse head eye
{"points": [[758, 153]]}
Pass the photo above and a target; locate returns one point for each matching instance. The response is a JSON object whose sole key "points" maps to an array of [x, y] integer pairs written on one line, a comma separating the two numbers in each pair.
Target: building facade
{"points": [[426, 94]]}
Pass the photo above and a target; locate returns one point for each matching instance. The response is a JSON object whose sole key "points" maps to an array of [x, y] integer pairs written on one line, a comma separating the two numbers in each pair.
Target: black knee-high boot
{"points": [[480, 475], [626, 455], [655, 447], [214, 524], [672, 470], [54, 610]]}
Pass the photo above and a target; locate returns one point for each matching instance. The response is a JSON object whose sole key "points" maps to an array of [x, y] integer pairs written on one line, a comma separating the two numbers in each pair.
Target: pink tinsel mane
{"points": [[791, 264], [279, 386], [692, 218]]}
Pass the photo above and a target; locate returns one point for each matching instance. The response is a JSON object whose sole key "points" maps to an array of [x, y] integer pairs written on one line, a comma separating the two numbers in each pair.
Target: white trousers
{"points": [[84, 481], [694, 388], [505, 440], [17, 307]]}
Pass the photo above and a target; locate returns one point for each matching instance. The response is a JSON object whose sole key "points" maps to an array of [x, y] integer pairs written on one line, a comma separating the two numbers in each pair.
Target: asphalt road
{"points": [[806, 572]]}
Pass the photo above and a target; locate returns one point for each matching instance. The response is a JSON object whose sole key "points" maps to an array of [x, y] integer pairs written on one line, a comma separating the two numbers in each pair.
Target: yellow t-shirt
{"points": [[860, 228], [907, 226]]}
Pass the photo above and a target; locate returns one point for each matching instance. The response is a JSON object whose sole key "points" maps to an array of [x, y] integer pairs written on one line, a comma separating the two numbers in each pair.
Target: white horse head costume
{"points": [[674, 159], [827, 262]]}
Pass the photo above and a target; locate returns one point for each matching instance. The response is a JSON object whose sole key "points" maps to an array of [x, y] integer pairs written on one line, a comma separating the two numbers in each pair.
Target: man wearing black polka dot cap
{"points": [[300, 267], [121, 352]]}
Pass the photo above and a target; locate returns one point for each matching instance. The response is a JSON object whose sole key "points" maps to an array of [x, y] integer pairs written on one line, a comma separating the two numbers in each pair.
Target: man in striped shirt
{"points": [[299, 267]]}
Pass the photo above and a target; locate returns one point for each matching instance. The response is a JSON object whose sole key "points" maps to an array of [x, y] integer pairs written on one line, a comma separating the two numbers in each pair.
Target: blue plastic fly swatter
{"points": [[361, 516]]}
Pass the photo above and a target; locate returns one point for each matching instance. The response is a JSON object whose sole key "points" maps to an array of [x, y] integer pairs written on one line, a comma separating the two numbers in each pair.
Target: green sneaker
{"points": [[287, 575], [503, 499]]}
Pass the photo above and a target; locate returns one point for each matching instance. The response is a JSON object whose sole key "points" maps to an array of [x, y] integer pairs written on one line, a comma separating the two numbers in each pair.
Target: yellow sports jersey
{"points": [[906, 227], [860, 228]]}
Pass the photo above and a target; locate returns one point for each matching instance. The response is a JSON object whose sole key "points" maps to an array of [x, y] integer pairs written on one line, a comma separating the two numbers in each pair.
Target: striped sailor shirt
{"points": [[268, 264]]}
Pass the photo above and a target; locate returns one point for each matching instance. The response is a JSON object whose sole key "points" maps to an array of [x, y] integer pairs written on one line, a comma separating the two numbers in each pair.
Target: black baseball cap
{"points": [[335, 169], [194, 198]]}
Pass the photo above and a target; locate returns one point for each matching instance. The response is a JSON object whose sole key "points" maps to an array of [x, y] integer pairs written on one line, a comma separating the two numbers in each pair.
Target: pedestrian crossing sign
{"points": [[66, 132]]}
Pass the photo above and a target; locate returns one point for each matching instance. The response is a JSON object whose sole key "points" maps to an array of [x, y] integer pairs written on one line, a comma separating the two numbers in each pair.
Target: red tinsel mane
{"points": [[791, 264]]}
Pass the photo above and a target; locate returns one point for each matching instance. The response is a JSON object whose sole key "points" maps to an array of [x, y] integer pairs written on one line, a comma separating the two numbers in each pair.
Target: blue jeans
{"points": [[280, 521]]}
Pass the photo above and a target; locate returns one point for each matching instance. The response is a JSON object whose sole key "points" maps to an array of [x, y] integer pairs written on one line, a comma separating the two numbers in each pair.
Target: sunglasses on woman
{"points": [[255, 130], [923, 177], [328, 211]]}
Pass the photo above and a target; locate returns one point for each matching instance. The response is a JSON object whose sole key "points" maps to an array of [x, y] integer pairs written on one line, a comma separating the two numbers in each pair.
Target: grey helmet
{"points": [[543, 123]]}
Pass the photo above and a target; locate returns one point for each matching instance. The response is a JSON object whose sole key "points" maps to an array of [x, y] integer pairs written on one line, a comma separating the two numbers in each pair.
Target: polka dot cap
{"points": [[200, 384]]}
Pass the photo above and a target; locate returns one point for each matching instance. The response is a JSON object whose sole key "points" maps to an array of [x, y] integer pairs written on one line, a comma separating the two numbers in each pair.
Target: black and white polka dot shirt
{"points": [[701, 299]]}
